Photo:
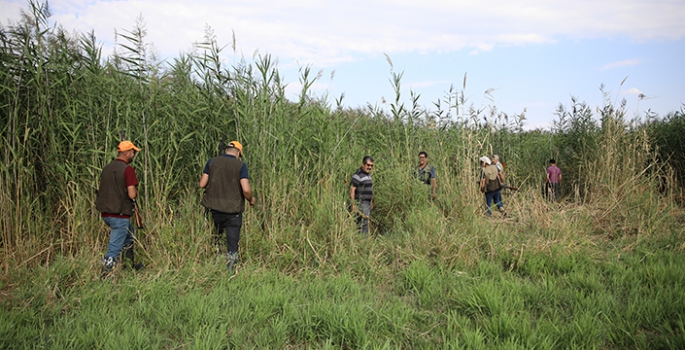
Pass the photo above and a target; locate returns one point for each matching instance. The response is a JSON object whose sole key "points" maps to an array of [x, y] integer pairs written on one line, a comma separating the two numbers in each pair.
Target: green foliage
{"points": [[670, 147]]}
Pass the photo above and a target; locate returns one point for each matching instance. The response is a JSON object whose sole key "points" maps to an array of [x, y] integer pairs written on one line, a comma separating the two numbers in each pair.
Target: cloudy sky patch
{"points": [[624, 63], [535, 50]]}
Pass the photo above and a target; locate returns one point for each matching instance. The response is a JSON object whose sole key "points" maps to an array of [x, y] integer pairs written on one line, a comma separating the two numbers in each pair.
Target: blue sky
{"points": [[534, 54]]}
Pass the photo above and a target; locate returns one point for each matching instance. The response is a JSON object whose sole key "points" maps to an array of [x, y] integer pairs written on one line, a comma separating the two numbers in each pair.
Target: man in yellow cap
{"points": [[227, 186], [115, 201]]}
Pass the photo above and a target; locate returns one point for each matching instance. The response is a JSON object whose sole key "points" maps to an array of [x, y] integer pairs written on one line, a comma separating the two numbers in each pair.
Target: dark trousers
{"points": [[229, 223], [554, 191]]}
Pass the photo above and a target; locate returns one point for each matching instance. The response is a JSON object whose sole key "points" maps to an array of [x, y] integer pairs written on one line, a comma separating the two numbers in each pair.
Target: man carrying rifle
{"points": [[227, 186], [500, 168], [490, 185], [116, 202]]}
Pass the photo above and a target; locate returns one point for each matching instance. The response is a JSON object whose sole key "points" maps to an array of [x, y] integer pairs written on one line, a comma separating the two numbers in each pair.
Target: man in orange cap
{"points": [[227, 186], [115, 201]]}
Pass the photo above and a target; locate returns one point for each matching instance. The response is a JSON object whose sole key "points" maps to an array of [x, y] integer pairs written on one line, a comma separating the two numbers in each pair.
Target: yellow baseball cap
{"points": [[236, 144], [127, 145]]}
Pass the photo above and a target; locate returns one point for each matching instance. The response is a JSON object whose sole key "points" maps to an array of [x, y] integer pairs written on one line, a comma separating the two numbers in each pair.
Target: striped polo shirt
{"points": [[364, 186]]}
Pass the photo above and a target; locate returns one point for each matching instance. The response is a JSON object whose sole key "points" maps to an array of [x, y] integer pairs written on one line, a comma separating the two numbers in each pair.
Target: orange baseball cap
{"points": [[236, 144], [127, 145]]}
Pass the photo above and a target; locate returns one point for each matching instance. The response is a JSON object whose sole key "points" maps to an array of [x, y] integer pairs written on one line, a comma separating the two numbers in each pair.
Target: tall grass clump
{"points": [[611, 168], [669, 147], [66, 107]]}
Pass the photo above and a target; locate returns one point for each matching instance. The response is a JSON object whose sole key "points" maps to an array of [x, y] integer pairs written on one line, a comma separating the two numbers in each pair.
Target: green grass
{"points": [[592, 297]]}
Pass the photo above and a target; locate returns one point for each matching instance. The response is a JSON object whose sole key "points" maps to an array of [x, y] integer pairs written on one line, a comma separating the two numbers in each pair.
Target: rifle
{"points": [[222, 145], [509, 187], [136, 212]]}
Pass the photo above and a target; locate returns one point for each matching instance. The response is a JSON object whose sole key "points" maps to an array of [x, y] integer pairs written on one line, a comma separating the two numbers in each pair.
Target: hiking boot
{"points": [[108, 265], [129, 260], [504, 213], [232, 261]]}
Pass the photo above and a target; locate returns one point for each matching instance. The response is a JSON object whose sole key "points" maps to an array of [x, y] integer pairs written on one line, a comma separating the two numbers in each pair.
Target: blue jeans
{"points": [[120, 234], [496, 197]]}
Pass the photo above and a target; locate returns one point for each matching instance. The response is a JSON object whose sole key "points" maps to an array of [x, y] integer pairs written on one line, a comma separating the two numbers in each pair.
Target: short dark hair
{"points": [[552, 161], [423, 153], [366, 159]]}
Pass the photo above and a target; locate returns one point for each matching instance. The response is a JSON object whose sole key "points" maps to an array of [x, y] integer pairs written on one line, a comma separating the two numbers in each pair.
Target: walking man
{"points": [[115, 201], [426, 172], [553, 179], [361, 193], [227, 186], [490, 185]]}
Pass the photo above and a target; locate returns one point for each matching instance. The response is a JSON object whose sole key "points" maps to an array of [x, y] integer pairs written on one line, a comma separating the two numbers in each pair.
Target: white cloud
{"points": [[10, 11], [327, 33], [632, 91], [624, 63]]}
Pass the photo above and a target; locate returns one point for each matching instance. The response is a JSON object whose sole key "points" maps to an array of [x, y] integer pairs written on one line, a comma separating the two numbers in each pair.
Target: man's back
{"points": [[553, 173], [223, 191]]}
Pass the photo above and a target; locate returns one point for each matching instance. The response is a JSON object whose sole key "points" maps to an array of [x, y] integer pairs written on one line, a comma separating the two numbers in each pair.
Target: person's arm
{"points": [[547, 180], [132, 192], [131, 182], [501, 177], [204, 180], [482, 180], [353, 189], [559, 178], [247, 191]]}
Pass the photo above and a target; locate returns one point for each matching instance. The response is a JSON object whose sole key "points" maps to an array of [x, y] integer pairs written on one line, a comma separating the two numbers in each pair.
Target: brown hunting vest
{"points": [[223, 192], [113, 196]]}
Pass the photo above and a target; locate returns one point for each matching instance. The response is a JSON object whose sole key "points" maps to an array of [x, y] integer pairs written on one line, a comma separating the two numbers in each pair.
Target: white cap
{"points": [[485, 160]]}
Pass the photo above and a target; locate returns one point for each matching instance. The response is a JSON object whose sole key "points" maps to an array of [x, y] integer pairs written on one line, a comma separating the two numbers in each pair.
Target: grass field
{"points": [[494, 285]]}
